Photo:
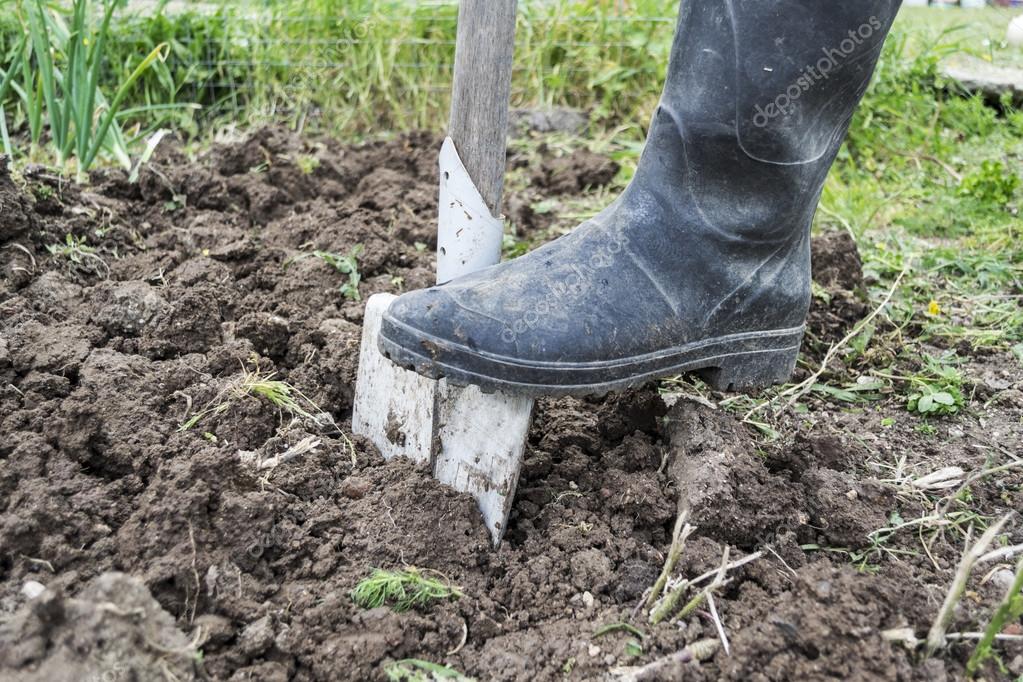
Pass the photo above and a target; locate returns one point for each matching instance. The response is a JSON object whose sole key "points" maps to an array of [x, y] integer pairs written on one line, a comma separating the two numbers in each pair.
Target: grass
{"points": [[59, 61], [362, 66], [402, 590], [255, 384]]}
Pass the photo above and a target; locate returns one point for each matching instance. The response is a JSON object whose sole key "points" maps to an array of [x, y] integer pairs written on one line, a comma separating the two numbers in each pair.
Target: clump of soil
{"points": [[839, 300], [574, 172], [156, 537], [113, 628]]}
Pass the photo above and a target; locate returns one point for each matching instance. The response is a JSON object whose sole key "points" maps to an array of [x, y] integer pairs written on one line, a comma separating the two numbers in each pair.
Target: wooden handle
{"points": [[481, 92]]}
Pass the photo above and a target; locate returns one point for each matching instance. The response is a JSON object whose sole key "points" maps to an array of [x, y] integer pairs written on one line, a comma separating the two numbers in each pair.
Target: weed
{"points": [[43, 192], [79, 255], [937, 390], [307, 164], [933, 401], [281, 394], [347, 264], [992, 183], [403, 589], [418, 670]]}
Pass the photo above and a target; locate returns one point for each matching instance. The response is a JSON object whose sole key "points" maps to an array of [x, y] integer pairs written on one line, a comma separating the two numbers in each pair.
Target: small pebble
{"points": [[594, 650], [1002, 579], [1016, 665], [32, 589], [588, 600]]}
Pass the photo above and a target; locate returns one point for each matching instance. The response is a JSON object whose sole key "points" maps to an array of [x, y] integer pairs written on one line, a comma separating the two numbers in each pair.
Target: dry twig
{"points": [[936, 635]]}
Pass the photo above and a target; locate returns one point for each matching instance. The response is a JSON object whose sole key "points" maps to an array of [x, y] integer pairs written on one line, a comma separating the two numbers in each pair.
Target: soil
{"points": [[574, 172], [128, 543]]}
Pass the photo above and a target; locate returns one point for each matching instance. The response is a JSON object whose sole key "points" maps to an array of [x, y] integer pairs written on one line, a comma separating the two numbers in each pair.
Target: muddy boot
{"points": [[703, 263]]}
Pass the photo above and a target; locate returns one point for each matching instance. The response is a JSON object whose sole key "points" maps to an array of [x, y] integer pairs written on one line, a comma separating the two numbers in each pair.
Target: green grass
{"points": [[403, 589], [370, 66], [59, 60], [262, 386], [373, 66]]}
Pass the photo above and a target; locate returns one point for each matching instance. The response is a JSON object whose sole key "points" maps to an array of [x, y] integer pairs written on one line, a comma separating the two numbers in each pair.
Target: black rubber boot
{"points": [[703, 263]]}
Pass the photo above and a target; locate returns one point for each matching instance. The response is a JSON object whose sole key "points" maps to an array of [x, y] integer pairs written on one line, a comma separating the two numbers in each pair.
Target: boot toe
{"points": [[420, 326]]}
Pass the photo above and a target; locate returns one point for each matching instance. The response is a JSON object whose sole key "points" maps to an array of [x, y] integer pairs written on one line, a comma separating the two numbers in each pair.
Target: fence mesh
{"points": [[380, 63]]}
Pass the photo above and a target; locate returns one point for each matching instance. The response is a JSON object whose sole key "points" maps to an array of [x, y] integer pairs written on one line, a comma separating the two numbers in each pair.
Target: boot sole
{"points": [[738, 362]]}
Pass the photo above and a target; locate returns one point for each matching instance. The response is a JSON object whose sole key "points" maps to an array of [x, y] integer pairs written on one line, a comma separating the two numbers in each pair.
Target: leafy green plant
{"points": [[403, 589], [60, 64], [937, 390], [933, 401], [992, 183], [418, 670], [347, 264]]}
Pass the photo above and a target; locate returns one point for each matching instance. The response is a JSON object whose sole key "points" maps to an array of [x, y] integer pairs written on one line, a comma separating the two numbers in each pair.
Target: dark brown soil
{"points": [[153, 542], [574, 172]]}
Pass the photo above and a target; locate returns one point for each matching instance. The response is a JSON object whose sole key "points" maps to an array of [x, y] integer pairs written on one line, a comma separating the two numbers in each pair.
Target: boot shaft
{"points": [[761, 92], [757, 101], [786, 74]]}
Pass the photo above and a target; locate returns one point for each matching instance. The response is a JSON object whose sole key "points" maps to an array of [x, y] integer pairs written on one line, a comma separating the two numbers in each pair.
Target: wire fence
{"points": [[382, 63]]}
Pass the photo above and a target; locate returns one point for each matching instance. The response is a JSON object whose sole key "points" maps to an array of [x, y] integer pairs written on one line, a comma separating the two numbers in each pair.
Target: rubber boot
{"points": [[703, 263]]}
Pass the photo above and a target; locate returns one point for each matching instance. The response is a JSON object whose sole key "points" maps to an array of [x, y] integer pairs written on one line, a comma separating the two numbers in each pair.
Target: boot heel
{"points": [[750, 371]]}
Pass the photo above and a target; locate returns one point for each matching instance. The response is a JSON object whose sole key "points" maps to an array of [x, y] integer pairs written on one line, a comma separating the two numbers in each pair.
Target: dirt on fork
{"points": [[160, 520]]}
